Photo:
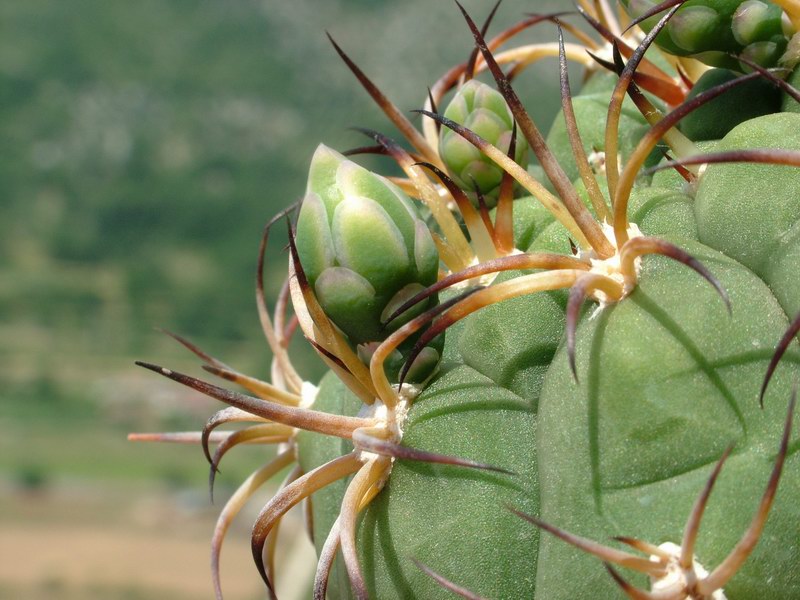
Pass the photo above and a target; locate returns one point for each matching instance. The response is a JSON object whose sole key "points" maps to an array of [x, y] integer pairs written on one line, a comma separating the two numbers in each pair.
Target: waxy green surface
{"points": [[667, 380]]}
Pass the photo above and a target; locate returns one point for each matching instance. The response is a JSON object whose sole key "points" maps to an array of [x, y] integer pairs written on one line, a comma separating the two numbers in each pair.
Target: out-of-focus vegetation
{"points": [[144, 145]]}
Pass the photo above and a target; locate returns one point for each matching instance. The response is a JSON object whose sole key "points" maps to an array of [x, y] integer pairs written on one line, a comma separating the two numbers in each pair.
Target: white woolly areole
{"points": [[678, 580], [308, 394], [390, 419], [597, 162], [610, 267]]}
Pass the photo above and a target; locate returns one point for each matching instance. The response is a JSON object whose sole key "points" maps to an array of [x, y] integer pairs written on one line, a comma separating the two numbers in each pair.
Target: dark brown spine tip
{"points": [[258, 551], [678, 254], [573, 248], [685, 173], [483, 209], [629, 590], [595, 24], [525, 516], [449, 183], [302, 280], [377, 149], [435, 109], [441, 119], [619, 62], [708, 276], [446, 583], [652, 12], [469, 71], [155, 368], [780, 350], [193, 348], [329, 355], [608, 65], [792, 91], [205, 438], [212, 473], [391, 147], [512, 144], [638, 54], [225, 374]]}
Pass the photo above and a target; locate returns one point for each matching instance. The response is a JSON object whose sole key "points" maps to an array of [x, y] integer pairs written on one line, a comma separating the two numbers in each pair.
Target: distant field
{"points": [[130, 542]]}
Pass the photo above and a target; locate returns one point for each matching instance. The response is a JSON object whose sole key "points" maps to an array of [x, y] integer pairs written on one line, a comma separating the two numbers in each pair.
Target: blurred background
{"points": [[144, 145]]}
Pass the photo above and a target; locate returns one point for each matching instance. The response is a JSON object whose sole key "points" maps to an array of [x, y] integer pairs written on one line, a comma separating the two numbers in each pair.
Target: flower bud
{"points": [[712, 30], [363, 248], [482, 109]]}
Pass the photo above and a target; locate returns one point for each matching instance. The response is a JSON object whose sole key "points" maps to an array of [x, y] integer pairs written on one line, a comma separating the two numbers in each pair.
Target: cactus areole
{"points": [[574, 380]]}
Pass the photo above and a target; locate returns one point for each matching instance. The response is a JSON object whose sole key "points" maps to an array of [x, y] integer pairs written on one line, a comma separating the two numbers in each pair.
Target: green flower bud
{"points": [[755, 21], [483, 110], [364, 250], [711, 30]]}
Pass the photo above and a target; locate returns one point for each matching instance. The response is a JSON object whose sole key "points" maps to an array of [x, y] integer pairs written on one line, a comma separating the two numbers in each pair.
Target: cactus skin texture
{"points": [[610, 351], [714, 120]]}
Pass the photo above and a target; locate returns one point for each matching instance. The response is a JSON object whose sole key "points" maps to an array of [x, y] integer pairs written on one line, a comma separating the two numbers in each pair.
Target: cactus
{"points": [[618, 343], [483, 110], [718, 32], [365, 251], [714, 120]]}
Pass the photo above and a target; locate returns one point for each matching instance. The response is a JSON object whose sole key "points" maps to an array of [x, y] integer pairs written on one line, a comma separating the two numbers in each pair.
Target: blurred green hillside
{"points": [[144, 146]]}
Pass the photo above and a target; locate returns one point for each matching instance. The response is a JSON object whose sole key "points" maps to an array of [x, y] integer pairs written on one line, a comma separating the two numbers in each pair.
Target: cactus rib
{"points": [[684, 578]]}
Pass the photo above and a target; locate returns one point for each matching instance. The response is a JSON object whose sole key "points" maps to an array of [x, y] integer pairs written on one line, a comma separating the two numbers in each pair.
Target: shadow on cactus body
{"points": [[600, 421]]}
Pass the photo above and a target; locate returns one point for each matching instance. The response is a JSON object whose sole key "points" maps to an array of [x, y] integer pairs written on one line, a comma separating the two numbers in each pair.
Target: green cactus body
{"points": [[751, 213], [634, 441], [710, 30], [748, 101], [666, 381], [582, 437], [391, 530], [591, 111], [616, 434], [483, 110]]}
